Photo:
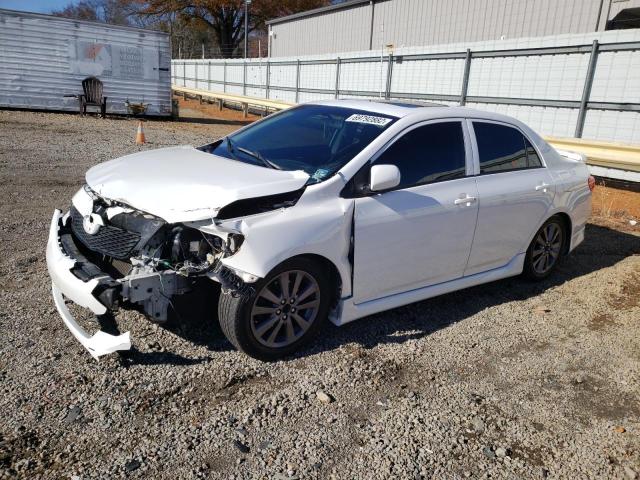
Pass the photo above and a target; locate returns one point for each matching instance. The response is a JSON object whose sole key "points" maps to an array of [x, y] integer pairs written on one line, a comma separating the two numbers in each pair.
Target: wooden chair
{"points": [[92, 96]]}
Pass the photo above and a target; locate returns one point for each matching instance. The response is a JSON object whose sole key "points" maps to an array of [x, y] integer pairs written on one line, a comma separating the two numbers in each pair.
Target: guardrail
{"points": [[243, 101], [605, 159]]}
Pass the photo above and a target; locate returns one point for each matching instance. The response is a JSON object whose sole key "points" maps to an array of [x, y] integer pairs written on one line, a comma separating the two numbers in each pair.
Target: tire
{"points": [[546, 249], [242, 321]]}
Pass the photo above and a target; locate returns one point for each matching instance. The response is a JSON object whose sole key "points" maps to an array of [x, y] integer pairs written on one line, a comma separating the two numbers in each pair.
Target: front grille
{"points": [[109, 240]]}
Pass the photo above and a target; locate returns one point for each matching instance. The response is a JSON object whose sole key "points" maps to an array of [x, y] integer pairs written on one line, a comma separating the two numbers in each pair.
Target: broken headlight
{"points": [[191, 251], [234, 242], [188, 245]]}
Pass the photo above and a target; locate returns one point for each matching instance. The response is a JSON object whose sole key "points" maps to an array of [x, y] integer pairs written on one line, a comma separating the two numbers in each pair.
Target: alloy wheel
{"points": [[546, 248], [285, 308]]}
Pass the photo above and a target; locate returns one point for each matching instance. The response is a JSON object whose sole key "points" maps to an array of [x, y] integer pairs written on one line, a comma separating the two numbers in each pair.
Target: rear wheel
{"points": [[545, 249], [284, 312]]}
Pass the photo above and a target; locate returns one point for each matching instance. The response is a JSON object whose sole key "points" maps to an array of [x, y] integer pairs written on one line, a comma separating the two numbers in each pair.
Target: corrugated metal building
{"points": [[43, 58], [358, 25]]}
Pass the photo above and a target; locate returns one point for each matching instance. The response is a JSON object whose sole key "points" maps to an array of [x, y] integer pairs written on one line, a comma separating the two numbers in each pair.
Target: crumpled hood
{"points": [[182, 184]]}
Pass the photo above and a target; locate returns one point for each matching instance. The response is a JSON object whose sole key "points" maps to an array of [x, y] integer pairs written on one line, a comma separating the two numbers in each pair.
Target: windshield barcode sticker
{"points": [[370, 119]]}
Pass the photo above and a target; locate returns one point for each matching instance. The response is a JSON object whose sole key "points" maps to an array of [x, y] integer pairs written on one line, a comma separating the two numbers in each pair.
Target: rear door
{"points": [[515, 193], [420, 233]]}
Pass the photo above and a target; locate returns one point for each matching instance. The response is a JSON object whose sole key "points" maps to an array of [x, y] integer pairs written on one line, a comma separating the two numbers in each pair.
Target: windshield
{"points": [[317, 139]]}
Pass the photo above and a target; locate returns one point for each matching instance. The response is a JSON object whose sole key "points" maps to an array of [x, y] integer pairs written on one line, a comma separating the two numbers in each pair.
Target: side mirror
{"points": [[384, 177]]}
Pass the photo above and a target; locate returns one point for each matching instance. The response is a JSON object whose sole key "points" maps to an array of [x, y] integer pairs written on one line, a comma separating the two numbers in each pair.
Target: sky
{"points": [[39, 6]]}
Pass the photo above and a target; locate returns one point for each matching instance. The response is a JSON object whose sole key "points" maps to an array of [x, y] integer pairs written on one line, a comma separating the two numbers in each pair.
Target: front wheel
{"points": [[545, 250], [286, 310]]}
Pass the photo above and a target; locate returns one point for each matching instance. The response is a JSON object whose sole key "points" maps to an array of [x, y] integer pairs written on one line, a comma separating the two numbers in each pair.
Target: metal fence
{"points": [[393, 76]]}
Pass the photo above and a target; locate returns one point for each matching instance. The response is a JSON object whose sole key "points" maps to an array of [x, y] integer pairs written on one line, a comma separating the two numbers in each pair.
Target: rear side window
{"points": [[533, 160], [503, 148], [427, 154]]}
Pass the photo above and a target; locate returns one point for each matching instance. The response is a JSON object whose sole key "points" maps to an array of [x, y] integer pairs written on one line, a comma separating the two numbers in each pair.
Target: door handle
{"points": [[467, 200], [543, 186]]}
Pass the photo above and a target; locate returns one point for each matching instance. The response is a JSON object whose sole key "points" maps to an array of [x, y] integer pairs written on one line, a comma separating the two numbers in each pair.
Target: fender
{"points": [[308, 227]]}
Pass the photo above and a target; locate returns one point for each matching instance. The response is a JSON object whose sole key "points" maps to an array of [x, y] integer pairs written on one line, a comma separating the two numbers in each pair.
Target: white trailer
{"points": [[43, 58]]}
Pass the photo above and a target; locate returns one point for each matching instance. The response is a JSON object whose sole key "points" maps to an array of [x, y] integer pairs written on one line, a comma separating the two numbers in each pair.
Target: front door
{"points": [[421, 232]]}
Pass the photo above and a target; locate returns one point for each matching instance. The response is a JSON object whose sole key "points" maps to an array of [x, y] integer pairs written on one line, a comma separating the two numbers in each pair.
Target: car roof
{"points": [[394, 108], [423, 110]]}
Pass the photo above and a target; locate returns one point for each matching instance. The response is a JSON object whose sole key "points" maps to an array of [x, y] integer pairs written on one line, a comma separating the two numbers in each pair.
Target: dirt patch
{"points": [[26, 450], [601, 322], [616, 203], [629, 296], [193, 109], [529, 454], [595, 401]]}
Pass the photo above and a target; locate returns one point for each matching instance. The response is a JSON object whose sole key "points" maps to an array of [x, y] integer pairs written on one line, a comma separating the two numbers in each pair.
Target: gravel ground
{"points": [[506, 380]]}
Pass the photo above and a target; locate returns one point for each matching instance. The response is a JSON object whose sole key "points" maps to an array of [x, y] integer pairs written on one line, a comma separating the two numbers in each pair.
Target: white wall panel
{"points": [[283, 75], [560, 122], [257, 74], [284, 95], [256, 92], [428, 76], [613, 126], [235, 90], [364, 76], [317, 76], [235, 72], [557, 77], [202, 74], [217, 72], [617, 77], [309, 97]]}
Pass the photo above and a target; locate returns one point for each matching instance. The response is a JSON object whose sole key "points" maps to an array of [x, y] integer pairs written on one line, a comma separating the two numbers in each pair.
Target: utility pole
{"points": [[246, 25]]}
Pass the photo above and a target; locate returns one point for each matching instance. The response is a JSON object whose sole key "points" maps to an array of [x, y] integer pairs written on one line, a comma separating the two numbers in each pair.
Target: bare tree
{"points": [[107, 11], [225, 18]]}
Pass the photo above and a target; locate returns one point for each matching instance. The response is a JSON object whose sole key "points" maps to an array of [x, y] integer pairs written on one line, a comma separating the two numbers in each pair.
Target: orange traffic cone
{"points": [[140, 135]]}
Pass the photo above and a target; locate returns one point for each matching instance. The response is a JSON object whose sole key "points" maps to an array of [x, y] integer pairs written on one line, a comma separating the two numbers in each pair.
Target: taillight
{"points": [[591, 182]]}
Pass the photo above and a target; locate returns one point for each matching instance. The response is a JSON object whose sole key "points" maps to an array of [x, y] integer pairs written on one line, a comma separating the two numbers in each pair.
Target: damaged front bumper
{"points": [[145, 288], [64, 282]]}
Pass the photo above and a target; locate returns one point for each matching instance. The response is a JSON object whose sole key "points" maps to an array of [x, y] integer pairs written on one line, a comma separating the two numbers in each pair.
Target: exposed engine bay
{"points": [[140, 260]]}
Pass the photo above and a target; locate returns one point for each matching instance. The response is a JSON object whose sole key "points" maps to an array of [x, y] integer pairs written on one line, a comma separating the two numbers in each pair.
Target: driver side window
{"points": [[427, 154]]}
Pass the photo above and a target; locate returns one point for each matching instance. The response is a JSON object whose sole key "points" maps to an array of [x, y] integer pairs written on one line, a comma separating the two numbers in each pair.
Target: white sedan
{"points": [[330, 210]]}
